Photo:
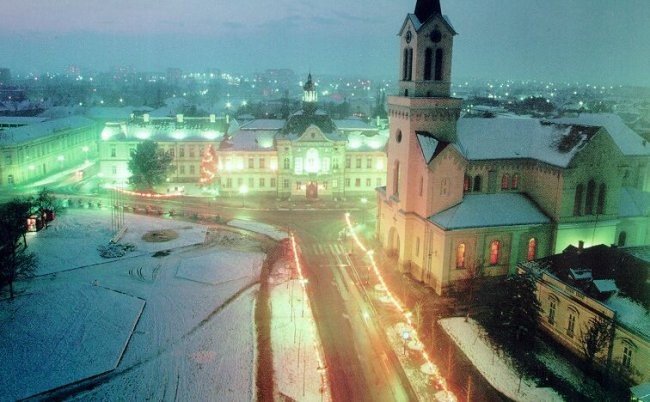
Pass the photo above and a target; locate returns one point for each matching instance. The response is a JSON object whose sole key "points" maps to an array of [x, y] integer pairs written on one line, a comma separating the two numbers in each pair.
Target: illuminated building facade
{"points": [[485, 193], [35, 151], [309, 155]]}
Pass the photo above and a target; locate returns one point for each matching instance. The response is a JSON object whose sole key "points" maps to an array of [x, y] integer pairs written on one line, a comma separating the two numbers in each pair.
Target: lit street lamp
{"points": [[405, 336]]}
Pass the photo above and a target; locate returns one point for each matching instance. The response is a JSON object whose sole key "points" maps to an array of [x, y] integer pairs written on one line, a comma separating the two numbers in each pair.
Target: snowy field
{"points": [[467, 335], [176, 326]]}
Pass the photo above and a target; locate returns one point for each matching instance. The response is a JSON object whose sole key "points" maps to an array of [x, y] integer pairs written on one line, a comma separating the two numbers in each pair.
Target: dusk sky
{"points": [[597, 41]]}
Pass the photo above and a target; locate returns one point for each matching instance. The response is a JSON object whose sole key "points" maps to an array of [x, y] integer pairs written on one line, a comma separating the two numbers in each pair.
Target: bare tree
{"points": [[595, 336]]}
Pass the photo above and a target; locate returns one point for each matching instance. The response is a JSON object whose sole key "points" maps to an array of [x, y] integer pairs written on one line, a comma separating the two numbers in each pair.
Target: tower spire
{"points": [[424, 9]]}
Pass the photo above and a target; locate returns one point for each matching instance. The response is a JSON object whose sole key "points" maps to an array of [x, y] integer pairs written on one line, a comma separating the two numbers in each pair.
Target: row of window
{"points": [[228, 182], [588, 204], [475, 183], [495, 252], [431, 68], [572, 315]]}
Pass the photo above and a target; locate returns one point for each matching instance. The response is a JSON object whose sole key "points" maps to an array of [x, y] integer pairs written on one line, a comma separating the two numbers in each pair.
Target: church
{"points": [[467, 195]]}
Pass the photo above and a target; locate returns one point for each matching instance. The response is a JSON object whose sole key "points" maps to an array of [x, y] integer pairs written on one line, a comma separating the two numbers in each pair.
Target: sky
{"points": [[597, 41]]}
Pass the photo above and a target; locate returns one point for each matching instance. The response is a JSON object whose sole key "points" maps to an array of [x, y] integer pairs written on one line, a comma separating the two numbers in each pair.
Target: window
{"points": [[626, 360], [357, 182], [171, 152], [251, 163], [589, 200], [439, 62], [494, 252], [262, 183], [368, 182], [571, 323], [348, 163], [444, 186], [335, 163], [408, 64], [358, 165], [113, 153], [297, 164], [417, 247], [532, 249], [600, 206], [552, 309], [368, 163], [505, 182], [228, 182], [467, 183], [298, 185], [428, 59], [285, 183], [396, 179], [191, 169], [325, 185], [577, 200], [514, 183], [347, 182], [192, 152], [261, 162], [460, 256], [477, 183], [181, 152], [622, 238], [286, 163], [272, 182]]}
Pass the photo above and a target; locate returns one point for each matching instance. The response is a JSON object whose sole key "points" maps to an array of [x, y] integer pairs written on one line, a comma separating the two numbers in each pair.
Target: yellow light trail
{"points": [[303, 284], [405, 313]]}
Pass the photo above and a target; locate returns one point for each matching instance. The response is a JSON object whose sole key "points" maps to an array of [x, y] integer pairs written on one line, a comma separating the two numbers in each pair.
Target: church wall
{"points": [[444, 183]]}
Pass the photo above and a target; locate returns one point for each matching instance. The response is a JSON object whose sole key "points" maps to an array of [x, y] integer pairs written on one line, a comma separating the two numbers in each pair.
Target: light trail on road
{"points": [[405, 313]]}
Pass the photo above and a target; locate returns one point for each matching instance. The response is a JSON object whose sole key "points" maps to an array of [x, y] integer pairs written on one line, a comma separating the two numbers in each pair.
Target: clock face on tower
{"points": [[435, 36], [408, 36]]}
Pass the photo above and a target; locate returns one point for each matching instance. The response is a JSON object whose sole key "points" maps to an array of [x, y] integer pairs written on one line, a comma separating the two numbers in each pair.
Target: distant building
{"points": [[307, 155], [581, 285], [35, 151], [486, 193]]}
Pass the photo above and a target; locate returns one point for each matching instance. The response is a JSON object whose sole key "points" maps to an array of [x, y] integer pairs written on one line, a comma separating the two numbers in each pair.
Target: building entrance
{"points": [[312, 190]]}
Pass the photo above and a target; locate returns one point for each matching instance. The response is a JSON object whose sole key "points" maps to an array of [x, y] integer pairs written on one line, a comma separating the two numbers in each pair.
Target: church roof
{"points": [[628, 141], [429, 145], [298, 122], [517, 138], [425, 9], [490, 210]]}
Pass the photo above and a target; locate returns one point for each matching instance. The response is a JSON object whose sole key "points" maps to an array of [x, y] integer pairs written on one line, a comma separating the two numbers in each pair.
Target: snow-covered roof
{"points": [[19, 135], [110, 112], [429, 145], [633, 202], [358, 141], [630, 313], [489, 210], [264, 124], [516, 138], [629, 142], [641, 392], [605, 285], [580, 274], [352, 124], [21, 120], [244, 140]]}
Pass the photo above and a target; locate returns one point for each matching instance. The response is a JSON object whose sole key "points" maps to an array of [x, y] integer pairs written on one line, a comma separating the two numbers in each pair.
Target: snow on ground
{"points": [[262, 228], [194, 339], [467, 335], [295, 343]]}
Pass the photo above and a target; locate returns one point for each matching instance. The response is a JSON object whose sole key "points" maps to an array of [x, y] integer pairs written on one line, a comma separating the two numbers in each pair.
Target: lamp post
{"points": [[405, 336]]}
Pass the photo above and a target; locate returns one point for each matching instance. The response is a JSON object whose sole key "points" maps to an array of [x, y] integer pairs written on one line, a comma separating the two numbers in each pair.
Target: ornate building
{"points": [[485, 193], [308, 155]]}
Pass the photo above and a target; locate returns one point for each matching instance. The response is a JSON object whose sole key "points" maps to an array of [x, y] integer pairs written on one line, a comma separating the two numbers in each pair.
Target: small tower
{"points": [[309, 97]]}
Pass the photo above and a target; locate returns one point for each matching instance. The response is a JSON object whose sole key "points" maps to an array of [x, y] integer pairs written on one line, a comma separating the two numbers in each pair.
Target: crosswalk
{"points": [[325, 249]]}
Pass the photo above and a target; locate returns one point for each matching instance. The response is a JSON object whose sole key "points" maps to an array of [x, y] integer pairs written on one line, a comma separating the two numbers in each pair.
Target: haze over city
{"points": [[595, 41]]}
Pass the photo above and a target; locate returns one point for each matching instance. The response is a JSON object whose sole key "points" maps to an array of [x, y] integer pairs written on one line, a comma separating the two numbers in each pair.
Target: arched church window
{"points": [[405, 65], [514, 183], [505, 182], [439, 64], [532, 249], [428, 61], [577, 200], [396, 179], [477, 183], [602, 192], [467, 183], [495, 247], [460, 256], [589, 200]]}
